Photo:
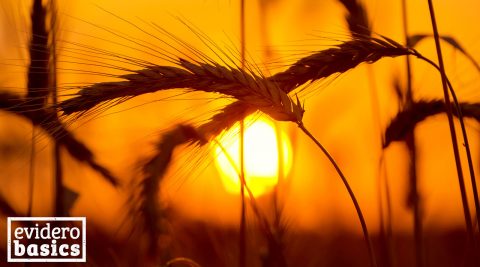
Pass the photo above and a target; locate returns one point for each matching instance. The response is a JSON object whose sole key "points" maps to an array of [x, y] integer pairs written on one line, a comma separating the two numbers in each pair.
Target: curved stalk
{"points": [[464, 135], [466, 209], [350, 192]]}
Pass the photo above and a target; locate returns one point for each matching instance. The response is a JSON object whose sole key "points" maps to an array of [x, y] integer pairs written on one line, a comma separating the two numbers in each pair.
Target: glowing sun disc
{"points": [[261, 156]]}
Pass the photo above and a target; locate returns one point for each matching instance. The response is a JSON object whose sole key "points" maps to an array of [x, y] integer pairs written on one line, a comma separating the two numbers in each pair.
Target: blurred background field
{"points": [[203, 215]]}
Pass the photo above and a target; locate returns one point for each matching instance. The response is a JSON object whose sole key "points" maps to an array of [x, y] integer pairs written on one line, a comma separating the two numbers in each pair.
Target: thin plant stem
{"points": [[464, 135], [242, 240], [350, 192], [35, 81], [413, 195], [242, 33], [253, 202], [267, 54], [466, 210], [409, 95], [385, 227], [465, 138], [265, 226], [57, 161]]}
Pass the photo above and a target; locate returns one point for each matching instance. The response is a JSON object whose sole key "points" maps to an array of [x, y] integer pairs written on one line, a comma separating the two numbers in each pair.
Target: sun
{"points": [[261, 156]]}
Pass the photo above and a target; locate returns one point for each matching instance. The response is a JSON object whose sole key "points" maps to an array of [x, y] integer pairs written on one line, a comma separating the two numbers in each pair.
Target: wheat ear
{"points": [[242, 85], [338, 59], [305, 70], [408, 118], [456, 153], [357, 18], [155, 168], [195, 76]]}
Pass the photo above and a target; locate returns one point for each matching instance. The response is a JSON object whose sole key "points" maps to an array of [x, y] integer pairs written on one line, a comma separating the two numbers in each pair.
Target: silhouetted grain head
{"points": [[225, 119], [339, 59], [409, 117], [357, 18], [246, 86], [207, 77], [399, 91], [154, 170]]}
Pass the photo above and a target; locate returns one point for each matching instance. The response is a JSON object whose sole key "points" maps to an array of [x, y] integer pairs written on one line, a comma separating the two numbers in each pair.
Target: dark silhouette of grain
{"points": [[357, 18], [237, 83], [408, 118]]}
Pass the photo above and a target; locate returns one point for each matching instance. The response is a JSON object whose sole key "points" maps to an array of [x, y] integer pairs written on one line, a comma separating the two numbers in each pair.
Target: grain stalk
{"points": [[413, 198], [274, 257], [466, 210], [37, 79], [156, 167], [253, 92], [273, 243], [406, 120], [243, 238], [459, 112], [59, 209], [456, 45], [350, 192], [359, 25]]}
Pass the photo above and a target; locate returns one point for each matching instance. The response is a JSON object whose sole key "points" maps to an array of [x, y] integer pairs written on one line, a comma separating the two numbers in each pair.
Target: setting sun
{"points": [[261, 156]]}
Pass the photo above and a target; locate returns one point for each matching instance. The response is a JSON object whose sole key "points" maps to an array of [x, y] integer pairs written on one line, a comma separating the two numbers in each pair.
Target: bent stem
{"points": [[464, 135], [466, 210], [350, 192]]}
